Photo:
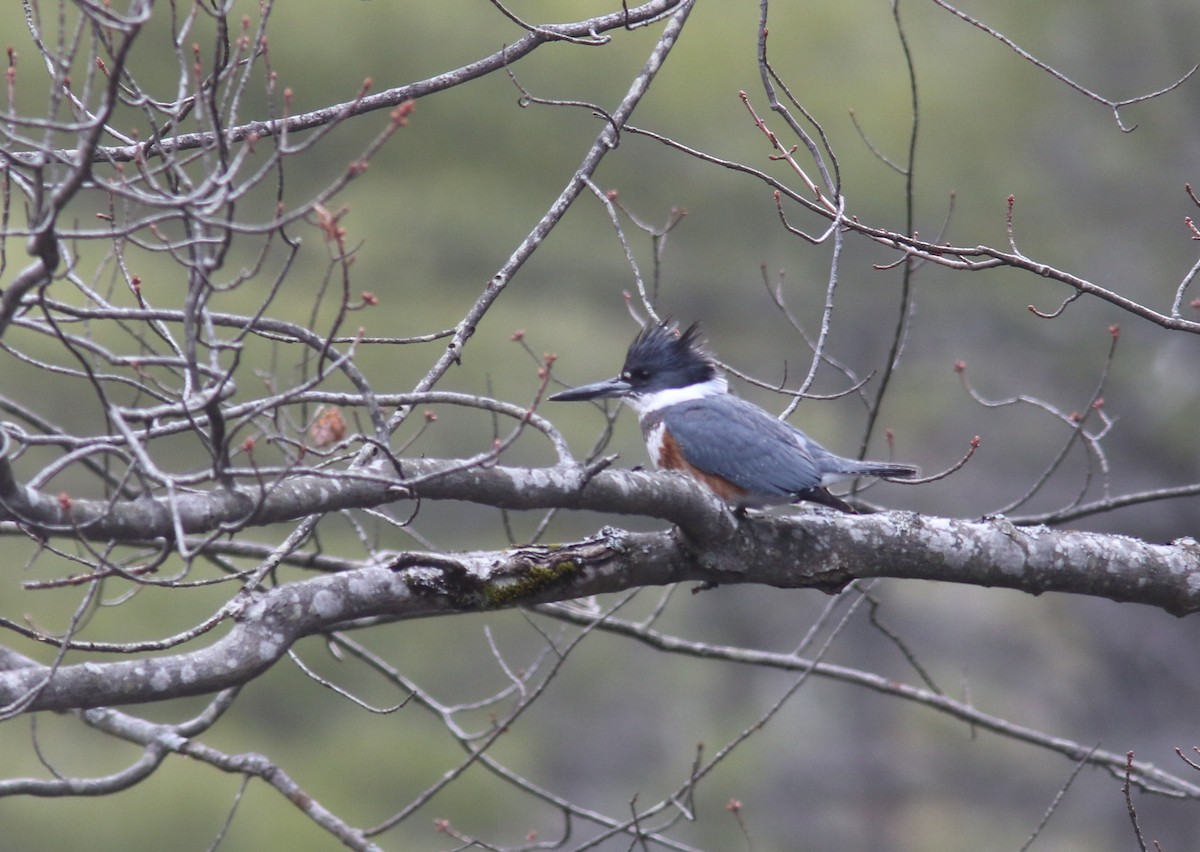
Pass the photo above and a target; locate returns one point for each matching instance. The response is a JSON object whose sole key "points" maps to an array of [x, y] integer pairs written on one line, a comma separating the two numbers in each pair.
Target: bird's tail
{"points": [[887, 469], [837, 469]]}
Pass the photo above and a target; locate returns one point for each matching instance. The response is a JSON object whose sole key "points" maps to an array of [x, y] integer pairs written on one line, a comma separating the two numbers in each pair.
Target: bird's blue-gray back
{"points": [[737, 441]]}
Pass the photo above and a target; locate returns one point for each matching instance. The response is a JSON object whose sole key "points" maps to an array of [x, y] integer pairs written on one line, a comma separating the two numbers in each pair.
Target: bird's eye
{"points": [[638, 374]]}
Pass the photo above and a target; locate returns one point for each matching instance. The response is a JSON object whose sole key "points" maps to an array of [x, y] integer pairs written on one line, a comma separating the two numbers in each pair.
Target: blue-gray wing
{"points": [[734, 439]]}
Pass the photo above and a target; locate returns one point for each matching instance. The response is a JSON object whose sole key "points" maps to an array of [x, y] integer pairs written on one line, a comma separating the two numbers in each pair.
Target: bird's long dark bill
{"points": [[596, 390]]}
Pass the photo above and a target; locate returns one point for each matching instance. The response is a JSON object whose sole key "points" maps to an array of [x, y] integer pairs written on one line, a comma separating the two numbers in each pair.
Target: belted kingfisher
{"points": [[692, 424]]}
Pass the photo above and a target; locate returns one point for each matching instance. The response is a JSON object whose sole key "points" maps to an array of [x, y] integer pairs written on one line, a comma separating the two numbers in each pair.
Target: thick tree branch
{"points": [[800, 550], [811, 550]]}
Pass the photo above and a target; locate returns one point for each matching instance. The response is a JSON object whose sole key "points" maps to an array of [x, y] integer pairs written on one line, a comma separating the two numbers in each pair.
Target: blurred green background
{"points": [[440, 210]]}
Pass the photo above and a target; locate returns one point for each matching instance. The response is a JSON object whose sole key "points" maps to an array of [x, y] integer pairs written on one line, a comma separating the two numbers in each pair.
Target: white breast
{"points": [[646, 403], [654, 441]]}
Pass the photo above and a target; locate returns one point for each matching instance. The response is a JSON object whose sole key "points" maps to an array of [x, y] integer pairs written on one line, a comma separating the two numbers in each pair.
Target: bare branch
{"points": [[1115, 106]]}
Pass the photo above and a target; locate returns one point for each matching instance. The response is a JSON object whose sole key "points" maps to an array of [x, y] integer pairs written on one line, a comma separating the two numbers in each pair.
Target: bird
{"points": [[692, 424]]}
